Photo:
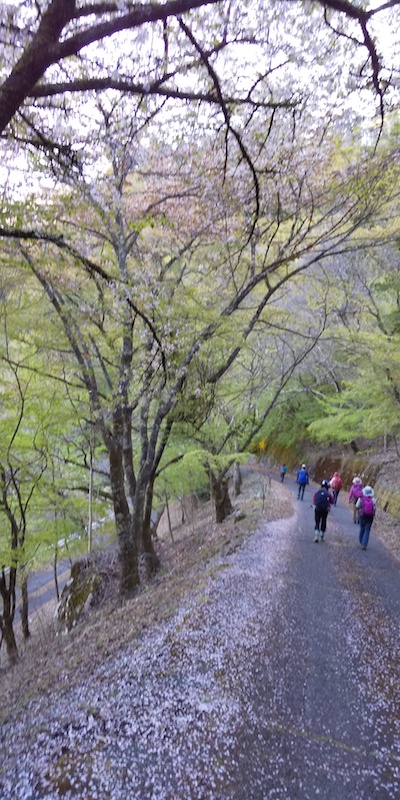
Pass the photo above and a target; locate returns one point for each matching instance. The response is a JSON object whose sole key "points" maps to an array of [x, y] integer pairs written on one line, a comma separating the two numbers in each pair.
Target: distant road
{"points": [[41, 585]]}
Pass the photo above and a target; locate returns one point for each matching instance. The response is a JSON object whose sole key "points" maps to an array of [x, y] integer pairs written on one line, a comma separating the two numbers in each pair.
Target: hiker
{"points": [[366, 510], [283, 471], [302, 480], [336, 485], [355, 493], [322, 501]]}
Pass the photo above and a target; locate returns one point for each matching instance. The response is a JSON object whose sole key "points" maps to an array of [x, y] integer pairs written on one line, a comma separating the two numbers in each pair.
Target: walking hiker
{"points": [[355, 493], [366, 509], [302, 480], [283, 472], [336, 485], [322, 501]]}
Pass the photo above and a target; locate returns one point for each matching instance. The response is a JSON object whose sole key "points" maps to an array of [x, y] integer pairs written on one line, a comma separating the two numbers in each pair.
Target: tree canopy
{"points": [[184, 50]]}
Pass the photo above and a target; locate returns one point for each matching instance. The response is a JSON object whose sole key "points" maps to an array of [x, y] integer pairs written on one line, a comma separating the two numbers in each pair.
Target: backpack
{"points": [[357, 491], [367, 507], [302, 476], [322, 499]]}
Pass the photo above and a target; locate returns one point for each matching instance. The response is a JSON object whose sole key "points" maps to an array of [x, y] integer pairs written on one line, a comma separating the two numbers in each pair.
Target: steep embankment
{"points": [[380, 470]]}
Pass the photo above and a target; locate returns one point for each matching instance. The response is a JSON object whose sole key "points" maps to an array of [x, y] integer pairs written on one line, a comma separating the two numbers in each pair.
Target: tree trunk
{"points": [[222, 501], [150, 557], [127, 554], [127, 541], [55, 563], [237, 478], [142, 525], [24, 605], [7, 617], [8, 635], [183, 510], [171, 533]]}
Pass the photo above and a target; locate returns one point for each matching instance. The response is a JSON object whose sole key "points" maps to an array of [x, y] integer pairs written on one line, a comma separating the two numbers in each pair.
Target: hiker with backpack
{"points": [[366, 510], [283, 471], [322, 501], [336, 485], [302, 480], [355, 493]]}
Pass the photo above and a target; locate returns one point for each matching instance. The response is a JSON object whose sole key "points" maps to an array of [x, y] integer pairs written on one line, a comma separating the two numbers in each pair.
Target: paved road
{"points": [[41, 586], [324, 721]]}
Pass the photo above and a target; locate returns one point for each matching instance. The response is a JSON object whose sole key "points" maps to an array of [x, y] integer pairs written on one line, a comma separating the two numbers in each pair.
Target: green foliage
{"points": [[286, 427], [191, 472], [369, 406], [45, 438]]}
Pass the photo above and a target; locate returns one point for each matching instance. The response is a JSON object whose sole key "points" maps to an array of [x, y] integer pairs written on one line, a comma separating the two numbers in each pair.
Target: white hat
{"points": [[368, 491], [357, 480], [303, 466]]}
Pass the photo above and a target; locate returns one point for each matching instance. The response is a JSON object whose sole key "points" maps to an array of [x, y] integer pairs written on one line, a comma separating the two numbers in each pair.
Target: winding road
{"points": [[324, 720]]}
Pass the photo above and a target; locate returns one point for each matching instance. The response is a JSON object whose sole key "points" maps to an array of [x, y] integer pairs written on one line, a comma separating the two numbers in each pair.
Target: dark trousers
{"points": [[365, 527], [300, 495], [321, 515]]}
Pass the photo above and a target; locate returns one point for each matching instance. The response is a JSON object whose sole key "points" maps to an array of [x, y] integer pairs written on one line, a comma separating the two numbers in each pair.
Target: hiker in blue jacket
{"points": [[302, 480]]}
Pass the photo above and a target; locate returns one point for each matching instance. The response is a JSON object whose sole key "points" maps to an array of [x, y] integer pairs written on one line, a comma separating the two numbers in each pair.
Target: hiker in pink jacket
{"points": [[355, 493], [335, 484]]}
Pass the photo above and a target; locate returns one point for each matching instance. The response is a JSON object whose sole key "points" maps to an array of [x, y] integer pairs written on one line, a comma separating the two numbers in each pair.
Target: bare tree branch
{"points": [[154, 89], [59, 36], [47, 48]]}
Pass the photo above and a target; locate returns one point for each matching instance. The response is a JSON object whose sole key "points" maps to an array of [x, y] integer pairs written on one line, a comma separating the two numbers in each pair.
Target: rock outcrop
{"points": [[84, 589]]}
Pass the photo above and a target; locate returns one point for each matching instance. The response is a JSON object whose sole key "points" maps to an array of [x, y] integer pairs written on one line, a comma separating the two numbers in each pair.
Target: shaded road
{"points": [[41, 585], [324, 720]]}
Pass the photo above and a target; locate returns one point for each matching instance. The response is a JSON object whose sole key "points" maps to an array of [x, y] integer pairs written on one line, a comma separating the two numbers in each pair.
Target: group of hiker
{"points": [[360, 497]]}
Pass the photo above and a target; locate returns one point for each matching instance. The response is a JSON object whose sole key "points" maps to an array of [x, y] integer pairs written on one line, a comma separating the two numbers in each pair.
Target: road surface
{"points": [[41, 585]]}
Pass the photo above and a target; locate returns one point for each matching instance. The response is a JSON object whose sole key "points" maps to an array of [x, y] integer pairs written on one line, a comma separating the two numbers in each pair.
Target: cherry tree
{"points": [[189, 183]]}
